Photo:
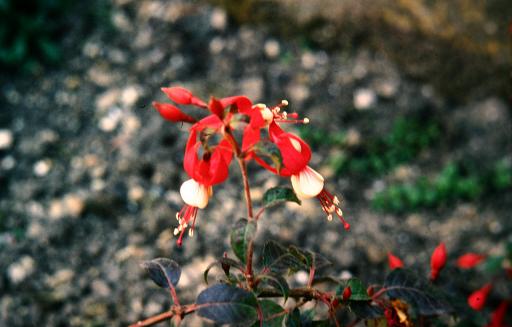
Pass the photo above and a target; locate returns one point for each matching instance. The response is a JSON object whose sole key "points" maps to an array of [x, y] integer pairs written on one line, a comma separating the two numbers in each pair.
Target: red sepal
{"points": [[181, 95], [394, 261], [477, 299], [498, 315], [469, 260], [172, 113], [216, 107], [243, 104], [437, 260], [293, 160]]}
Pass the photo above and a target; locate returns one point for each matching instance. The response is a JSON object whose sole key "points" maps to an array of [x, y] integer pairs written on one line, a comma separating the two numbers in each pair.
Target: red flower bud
{"points": [[181, 95], [469, 260], [498, 315], [170, 112], [477, 299], [394, 261], [347, 292], [438, 260], [370, 290]]}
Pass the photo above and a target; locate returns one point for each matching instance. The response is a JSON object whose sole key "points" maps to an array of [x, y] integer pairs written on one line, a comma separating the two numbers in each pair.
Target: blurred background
{"points": [[409, 103]]}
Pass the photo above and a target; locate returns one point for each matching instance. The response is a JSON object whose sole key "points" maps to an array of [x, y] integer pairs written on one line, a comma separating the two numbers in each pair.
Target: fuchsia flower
{"points": [[437, 261], [306, 182], [498, 315]]}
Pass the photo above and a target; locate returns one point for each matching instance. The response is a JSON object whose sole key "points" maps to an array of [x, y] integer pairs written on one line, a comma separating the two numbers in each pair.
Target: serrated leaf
{"points": [[365, 309], [241, 235], [357, 288], [277, 258], [267, 149], [278, 282], [163, 271], [417, 291], [226, 261], [271, 317], [309, 258], [225, 304], [277, 195]]}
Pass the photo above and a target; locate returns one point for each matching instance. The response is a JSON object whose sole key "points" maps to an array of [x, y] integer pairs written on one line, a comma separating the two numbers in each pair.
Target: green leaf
{"points": [[493, 264], [277, 258], [267, 149], [417, 291], [278, 282], [277, 195], [309, 258], [271, 317], [293, 319], [357, 289], [241, 235], [365, 309], [163, 271], [220, 262], [225, 304]]}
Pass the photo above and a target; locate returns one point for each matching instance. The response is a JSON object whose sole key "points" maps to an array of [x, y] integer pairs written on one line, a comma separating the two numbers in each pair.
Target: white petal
{"points": [[194, 194], [308, 183]]}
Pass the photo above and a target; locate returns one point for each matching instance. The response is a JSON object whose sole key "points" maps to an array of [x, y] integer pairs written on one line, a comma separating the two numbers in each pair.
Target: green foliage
{"points": [[379, 154], [277, 195], [31, 31], [454, 182], [241, 235]]}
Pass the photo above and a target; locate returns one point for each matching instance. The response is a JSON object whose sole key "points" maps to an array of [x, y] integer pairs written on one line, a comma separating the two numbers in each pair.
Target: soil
{"points": [[90, 173]]}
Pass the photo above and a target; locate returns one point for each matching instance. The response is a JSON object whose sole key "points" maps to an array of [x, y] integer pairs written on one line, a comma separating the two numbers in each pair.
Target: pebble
{"points": [[20, 270], [130, 95], [101, 288], [8, 163], [386, 88], [107, 99], [109, 122], [272, 49], [252, 87], [42, 167], [217, 44], [364, 99], [6, 139], [219, 19], [70, 205], [136, 193]]}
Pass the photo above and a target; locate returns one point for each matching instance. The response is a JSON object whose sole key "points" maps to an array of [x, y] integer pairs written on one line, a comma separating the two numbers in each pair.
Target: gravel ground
{"points": [[89, 173]]}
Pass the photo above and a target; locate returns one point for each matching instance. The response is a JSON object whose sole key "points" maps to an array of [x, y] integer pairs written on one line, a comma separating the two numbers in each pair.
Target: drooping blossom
{"points": [[394, 262], [437, 261], [306, 182], [469, 260], [207, 164], [478, 298]]}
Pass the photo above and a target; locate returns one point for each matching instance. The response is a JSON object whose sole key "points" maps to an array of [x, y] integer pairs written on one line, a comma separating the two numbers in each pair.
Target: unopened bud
{"points": [[347, 293]]}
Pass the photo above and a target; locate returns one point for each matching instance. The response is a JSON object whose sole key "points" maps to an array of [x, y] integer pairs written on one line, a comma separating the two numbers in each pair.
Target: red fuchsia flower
{"points": [[209, 169], [306, 182], [394, 262], [437, 260], [469, 260], [498, 315], [477, 299], [181, 95]]}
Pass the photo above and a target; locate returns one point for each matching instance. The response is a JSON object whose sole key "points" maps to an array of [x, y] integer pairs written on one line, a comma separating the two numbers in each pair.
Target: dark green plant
{"points": [[452, 184]]}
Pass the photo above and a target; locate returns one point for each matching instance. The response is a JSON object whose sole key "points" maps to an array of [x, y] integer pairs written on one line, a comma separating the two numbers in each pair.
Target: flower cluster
{"points": [[235, 127]]}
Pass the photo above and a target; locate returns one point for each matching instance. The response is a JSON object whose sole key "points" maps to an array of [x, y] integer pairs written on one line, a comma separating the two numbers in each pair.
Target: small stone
{"points": [[130, 95], [8, 163], [386, 88], [109, 122], [74, 205], [272, 49], [298, 93], [308, 60], [252, 87], [219, 19], [56, 210], [217, 45], [42, 167], [353, 137], [98, 184], [101, 288], [128, 252], [60, 277], [6, 139], [135, 193], [364, 99], [131, 124], [20, 270], [91, 49], [107, 99], [121, 21]]}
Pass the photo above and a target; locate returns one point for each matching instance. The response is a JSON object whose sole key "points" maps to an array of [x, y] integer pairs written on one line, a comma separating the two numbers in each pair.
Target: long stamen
{"points": [[330, 204], [186, 214], [285, 117]]}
